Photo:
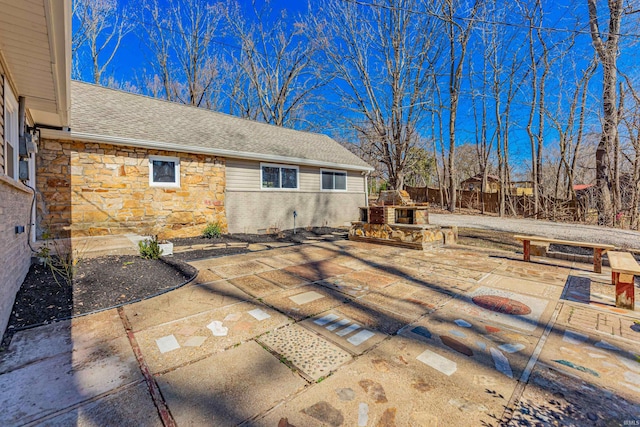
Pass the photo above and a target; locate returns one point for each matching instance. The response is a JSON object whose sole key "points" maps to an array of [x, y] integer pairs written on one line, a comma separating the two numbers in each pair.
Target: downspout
{"points": [[366, 189]]}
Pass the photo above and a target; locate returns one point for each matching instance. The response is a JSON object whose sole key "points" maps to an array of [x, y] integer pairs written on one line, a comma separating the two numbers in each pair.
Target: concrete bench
{"points": [[624, 268], [598, 248]]}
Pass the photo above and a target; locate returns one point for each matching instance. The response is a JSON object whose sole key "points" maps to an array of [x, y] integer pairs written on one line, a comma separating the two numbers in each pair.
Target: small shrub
{"points": [[212, 230], [149, 248], [61, 258]]}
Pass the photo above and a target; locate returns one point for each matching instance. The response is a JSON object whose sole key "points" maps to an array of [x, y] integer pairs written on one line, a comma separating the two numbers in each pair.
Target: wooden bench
{"points": [[624, 268], [598, 248]]}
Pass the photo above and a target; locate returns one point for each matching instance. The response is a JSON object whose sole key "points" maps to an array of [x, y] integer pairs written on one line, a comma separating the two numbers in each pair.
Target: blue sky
{"points": [[560, 15]]}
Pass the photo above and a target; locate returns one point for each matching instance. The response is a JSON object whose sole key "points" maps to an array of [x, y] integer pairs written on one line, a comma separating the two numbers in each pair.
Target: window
{"points": [[333, 180], [279, 177], [10, 134], [164, 171]]}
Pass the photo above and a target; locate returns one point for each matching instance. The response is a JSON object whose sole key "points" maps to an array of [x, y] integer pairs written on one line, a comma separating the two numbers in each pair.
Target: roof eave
{"points": [[58, 14], [86, 137]]}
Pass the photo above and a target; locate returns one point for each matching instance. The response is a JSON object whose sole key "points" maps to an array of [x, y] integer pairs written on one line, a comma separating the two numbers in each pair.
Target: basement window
{"points": [[278, 177], [333, 180], [164, 171]]}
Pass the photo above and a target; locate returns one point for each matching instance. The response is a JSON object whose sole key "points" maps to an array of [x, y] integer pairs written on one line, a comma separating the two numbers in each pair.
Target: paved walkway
{"points": [[342, 334]]}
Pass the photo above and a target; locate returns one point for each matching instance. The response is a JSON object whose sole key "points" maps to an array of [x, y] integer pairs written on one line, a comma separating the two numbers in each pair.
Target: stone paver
{"points": [[306, 351], [200, 335], [595, 358], [52, 384], [129, 406], [405, 300], [524, 286], [282, 278], [391, 386], [228, 388], [353, 333], [305, 301], [317, 270], [255, 286], [186, 301], [245, 268], [343, 334]]}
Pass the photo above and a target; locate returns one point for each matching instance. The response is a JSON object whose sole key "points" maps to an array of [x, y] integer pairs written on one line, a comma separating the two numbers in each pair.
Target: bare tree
{"points": [[382, 56], [632, 124], [277, 68], [607, 52], [458, 32], [101, 27], [180, 35]]}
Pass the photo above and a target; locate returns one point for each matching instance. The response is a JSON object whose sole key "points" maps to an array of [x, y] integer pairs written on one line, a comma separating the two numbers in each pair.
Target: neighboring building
{"points": [[134, 164], [522, 188], [35, 67], [475, 183]]}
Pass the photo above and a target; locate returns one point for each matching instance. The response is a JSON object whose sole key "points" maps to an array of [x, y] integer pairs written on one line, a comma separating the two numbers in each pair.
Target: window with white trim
{"points": [[10, 134], [278, 177], [331, 180], [164, 171]]}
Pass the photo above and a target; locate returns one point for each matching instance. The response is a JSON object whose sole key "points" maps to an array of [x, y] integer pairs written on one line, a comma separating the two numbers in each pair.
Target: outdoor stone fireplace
{"points": [[395, 220]]}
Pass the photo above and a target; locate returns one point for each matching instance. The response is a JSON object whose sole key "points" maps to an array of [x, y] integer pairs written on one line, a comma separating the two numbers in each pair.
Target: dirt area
{"points": [[488, 239], [192, 248]]}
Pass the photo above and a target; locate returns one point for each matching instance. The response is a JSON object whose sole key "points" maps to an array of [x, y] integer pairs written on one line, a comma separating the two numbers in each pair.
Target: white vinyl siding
{"points": [[245, 175]]}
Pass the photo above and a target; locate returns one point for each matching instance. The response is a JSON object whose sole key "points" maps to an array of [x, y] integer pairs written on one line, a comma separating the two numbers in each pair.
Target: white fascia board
{"points": [[58, 16], [86, 137]]}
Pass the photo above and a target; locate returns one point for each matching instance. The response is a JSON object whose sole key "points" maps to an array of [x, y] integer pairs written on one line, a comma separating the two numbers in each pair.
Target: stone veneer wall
{"points": [[88, 189], [15, 254], [412, 236]]}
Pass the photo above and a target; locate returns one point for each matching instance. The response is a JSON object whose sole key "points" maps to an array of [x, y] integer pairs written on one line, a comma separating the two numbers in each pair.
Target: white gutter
{"points": [[86, 137], [58, 17]]}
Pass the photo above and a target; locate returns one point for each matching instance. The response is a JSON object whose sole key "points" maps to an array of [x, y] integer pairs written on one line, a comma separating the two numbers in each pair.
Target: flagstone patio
{"points": [[342, 333]]}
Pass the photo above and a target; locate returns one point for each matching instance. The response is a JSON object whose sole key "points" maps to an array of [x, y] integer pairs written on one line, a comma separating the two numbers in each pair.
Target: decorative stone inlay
{"points": [[308, 352], [456, 345], [325, 413], [501, 305]]}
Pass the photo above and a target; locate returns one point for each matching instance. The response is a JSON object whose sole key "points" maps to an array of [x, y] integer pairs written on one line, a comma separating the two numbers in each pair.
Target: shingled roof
{"points": [[108, 115]]}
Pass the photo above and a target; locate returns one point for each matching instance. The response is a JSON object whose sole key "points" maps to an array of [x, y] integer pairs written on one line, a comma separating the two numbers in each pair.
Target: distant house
{"points": [[475, 183], [134, 164], [35, 67]]}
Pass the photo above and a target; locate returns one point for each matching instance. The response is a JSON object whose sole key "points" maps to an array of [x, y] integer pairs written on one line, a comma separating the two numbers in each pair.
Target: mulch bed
{"points": [[110, 281], [287, 236], [98, 283]]}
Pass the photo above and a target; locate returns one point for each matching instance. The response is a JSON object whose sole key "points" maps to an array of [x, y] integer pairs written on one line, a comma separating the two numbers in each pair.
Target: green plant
{"points": [[149, 248], [212, 230]]}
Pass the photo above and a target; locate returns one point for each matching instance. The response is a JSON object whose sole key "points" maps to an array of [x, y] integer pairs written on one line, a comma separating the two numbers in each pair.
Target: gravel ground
{"points": [[578, 232]]}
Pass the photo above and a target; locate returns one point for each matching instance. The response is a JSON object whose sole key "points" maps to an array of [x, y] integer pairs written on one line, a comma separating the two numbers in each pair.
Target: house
{"points": [[134, 164], [35, 67], [474, 183]]}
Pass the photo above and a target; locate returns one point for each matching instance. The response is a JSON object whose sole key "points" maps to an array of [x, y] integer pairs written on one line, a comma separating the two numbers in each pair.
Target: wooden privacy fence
{"points": [[465, 199], [550, 208]]}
